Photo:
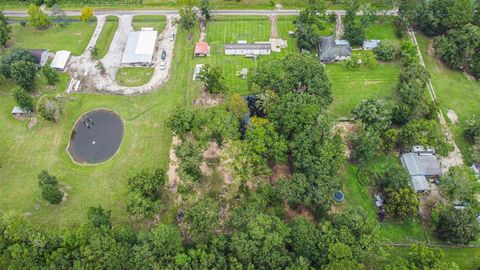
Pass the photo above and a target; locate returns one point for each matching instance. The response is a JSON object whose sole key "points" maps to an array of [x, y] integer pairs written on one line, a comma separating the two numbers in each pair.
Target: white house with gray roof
{"points": [[333, 50], [248, 49]]}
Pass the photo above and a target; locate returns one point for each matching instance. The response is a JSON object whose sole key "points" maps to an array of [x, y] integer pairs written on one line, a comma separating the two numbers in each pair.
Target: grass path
{"points": [[106, 36]]}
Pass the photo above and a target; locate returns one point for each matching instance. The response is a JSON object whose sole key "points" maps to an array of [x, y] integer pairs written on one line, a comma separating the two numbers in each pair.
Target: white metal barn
{"points": [[248, 49], [60, 60], [140, 47]]}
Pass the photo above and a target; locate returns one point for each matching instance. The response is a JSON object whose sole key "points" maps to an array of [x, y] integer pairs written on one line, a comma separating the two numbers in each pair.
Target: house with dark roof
{"points": [[333, 50]]}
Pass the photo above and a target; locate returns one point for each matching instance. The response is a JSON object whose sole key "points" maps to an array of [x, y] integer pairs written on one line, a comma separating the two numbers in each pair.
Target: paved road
{"points": [[280, 12]]}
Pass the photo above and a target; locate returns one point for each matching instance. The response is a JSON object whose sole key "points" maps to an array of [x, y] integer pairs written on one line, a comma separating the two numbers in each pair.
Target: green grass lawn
{"points": [[383, 29], [351, 86], [25, 152], [158, 22], [106, 36], [455, 92], [133, 76], [228, 29], [73, 37]]}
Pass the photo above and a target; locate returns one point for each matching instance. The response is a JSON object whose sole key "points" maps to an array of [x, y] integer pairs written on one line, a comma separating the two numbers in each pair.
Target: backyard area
{"points": [[73, 37], [157, 22]]}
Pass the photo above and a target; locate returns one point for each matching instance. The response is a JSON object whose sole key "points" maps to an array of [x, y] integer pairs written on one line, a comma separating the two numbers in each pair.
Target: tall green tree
{"points": [[205, 9], [5, 30], [203, 219], [457, 226], [15, 55], [37, 17], [374, 113], [24, 74], [309, 25], [460, 184], [23, 100], [213, 79], [188, 16], [401, 204]]}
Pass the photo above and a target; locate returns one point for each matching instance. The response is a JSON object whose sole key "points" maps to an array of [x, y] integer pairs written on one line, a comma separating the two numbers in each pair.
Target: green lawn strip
{"points": [[454, 91], [146, 142], [352, 86], [73, 37], [158, 22], [383, 29], [133, 76], [225, 30], [106, 36]]}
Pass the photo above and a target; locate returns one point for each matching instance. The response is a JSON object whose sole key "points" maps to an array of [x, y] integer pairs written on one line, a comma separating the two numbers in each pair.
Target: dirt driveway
{"points": [[82, 68]]}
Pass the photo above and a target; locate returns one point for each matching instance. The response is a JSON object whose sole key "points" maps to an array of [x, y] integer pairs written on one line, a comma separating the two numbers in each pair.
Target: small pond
{"points": [[96, 136]]}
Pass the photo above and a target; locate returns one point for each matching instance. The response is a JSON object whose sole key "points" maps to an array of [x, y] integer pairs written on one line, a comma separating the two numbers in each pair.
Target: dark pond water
{"points": [[96, 136]]}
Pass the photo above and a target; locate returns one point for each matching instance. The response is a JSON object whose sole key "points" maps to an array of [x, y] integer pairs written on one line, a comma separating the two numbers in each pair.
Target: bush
{"points": [[49, 186], [385, 51], [24, 72], [50, 74], [22, 99], [401, 204], [424, 132], [190, 158], [394, 177], [50, 109], [457, 226], [142, 197], [472, 129]]}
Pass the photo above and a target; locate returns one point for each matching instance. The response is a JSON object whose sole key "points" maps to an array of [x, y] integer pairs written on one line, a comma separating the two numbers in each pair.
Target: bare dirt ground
{"points": [[273, 27], [452, 116], [173, 178], [339, 30], [208, 100], [346, 129], [83, 68]]}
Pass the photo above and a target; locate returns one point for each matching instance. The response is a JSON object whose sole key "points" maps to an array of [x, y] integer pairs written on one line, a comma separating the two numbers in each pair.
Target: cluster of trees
{"points": [[49, 186], [455, 25], [143, 197], [355, 25], [5, 30], [309, 25], [213, 79]]}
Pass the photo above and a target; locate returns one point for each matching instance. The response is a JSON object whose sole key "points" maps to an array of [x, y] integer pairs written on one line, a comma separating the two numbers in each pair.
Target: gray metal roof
{"points": [[251, 46], [330, 49], [18, 110], [370, 44], [430, 165], [140, 47], [411, 162], [420, 183]]}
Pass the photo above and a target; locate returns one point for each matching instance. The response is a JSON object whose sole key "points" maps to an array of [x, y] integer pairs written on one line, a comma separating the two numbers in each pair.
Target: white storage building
{"points": [[60, 60], [254, 49], [140, 47]]}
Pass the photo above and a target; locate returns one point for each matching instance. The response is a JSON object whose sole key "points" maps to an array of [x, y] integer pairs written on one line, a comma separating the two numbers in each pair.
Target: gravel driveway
{"points": [[84, 69]]}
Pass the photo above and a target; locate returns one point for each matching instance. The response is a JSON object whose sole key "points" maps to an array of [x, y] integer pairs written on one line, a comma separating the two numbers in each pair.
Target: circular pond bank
{"points": [[96, 136]]}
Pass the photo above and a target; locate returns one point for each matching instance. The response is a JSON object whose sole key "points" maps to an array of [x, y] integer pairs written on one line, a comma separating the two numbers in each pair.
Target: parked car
{"points": [[171, 37], [163, 55]]}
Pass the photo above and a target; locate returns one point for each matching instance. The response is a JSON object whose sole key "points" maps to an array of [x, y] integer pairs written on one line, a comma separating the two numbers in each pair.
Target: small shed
{"points": [[202, 49], [420, 183], [370, 44], [60, 60], [41, 56], [20, 113]]}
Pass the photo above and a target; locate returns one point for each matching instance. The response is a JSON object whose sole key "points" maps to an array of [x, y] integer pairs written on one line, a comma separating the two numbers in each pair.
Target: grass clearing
{"points": [[73, 37], [230, 29], [134, 76], [106, 36], [25, 152], [383, 29], [352, 86], [455, 92], [157, 22]]}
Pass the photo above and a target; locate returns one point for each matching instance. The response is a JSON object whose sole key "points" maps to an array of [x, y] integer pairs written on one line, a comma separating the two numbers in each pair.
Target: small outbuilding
{"points": [[370, 44], [60, 61], [20, 113], [332, 50], [248, 49], [41, 56], [202, 49]]}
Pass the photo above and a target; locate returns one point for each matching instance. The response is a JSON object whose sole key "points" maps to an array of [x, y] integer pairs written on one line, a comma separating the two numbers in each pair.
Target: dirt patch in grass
{"points": [[280, 171], [173, 178], [291, 213], [208, 100], [346, 129]]}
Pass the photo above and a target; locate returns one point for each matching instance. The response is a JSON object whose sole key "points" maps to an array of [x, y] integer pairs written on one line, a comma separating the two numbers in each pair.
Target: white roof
{"points": [[373, 43], [140, 47], [17, 110], [60, 60]]}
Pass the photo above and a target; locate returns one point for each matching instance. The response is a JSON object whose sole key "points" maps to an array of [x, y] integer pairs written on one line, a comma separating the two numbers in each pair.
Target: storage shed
{"points": [[202, 49], [140, 47], [370, 44], [20, 113], [60, 60]]}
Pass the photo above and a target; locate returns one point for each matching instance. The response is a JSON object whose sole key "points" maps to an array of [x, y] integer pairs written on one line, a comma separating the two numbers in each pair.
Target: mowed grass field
{"points": [[133, 76], [106, 36], [229, 29], [454, 90], [25, 152], [158, 22], [352, 86], [73, 37]]}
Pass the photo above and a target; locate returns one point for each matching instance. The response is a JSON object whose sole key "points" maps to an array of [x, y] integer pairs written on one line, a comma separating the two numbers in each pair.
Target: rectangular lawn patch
{"points": [[158, 22], [73, 37], [106, 36]]}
